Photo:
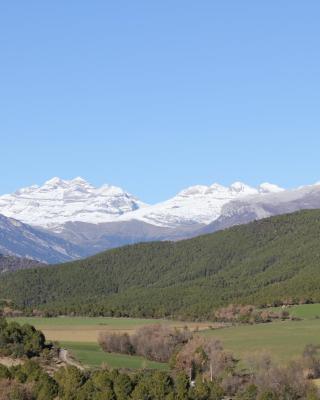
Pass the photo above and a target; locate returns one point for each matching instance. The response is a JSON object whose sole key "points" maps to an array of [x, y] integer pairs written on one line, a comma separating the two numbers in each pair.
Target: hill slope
{"points": [[260, 262], [21, 240]]}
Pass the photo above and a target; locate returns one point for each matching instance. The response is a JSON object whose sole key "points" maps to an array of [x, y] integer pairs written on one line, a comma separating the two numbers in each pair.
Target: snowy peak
{"points": [[235, 188], [197, 204], [55, 182], [269, 188], [59, 201], [239, 187]]}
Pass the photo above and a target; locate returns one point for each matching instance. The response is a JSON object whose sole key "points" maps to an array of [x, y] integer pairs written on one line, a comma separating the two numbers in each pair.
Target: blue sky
{"points": [[157, 96]]}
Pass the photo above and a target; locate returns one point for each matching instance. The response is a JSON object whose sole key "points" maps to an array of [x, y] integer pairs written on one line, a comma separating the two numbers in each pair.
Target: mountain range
{"points": [[58, 202], [72, 218]]}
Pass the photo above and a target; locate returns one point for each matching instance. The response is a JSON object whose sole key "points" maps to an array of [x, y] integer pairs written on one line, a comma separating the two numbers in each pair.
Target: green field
{"points": [[282, 340], [91, 355]]}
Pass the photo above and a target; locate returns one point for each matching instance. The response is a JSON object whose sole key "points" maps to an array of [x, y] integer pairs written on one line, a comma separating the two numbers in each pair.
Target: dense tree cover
{"points": [[26, 381], [263, 262], [20, 340]]}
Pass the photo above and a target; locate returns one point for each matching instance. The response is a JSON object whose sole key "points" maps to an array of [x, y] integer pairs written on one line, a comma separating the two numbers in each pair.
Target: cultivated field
{"points": [[87, 329]]}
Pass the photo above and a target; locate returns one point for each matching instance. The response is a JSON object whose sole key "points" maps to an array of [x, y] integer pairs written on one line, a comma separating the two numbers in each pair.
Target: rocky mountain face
{"points": [[21, 240], [95, 238], [72, 218]]}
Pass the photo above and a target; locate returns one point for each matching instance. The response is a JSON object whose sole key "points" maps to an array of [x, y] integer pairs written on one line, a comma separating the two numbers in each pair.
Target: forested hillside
{"points": [[262, 262]]}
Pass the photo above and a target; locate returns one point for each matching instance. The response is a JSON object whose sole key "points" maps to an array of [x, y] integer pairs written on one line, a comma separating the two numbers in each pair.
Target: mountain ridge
{"points": [[60, 201]]}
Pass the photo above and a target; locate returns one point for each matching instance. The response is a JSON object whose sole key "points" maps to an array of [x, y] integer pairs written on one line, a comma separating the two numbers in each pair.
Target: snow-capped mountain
{"points": [[66, 219], [197, 204], [59, 201]]}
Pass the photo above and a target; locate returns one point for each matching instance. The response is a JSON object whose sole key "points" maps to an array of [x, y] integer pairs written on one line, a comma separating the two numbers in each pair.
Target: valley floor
{"points": [[283, 340]]}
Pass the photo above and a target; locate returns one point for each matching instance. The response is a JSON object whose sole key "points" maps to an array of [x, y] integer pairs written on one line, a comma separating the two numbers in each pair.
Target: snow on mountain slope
{"points": [[197, 204], [59, 201], [247, 209]]}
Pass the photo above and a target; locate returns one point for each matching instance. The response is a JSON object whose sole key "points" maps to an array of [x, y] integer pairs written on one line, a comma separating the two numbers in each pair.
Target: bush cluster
{"points": [[20, 340], [154, 342], [248, 314]]}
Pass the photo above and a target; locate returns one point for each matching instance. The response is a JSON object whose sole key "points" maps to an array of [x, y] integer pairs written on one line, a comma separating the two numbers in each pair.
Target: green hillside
{"points": [[261, 262]]}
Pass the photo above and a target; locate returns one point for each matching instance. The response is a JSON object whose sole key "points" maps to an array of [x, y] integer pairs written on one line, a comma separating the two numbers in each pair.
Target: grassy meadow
{"points": [[305, 311], [283, 340]]}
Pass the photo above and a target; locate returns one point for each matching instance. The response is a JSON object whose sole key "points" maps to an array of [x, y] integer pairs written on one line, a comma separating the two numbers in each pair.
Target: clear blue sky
{"points": [[155, 96]]}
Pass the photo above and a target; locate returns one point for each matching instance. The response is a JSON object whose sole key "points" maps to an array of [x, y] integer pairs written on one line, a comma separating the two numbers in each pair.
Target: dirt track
{"points": [[65, 357]]}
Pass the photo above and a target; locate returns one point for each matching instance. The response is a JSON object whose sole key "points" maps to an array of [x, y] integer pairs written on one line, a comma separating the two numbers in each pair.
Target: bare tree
{"points": [[155, 342]]}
